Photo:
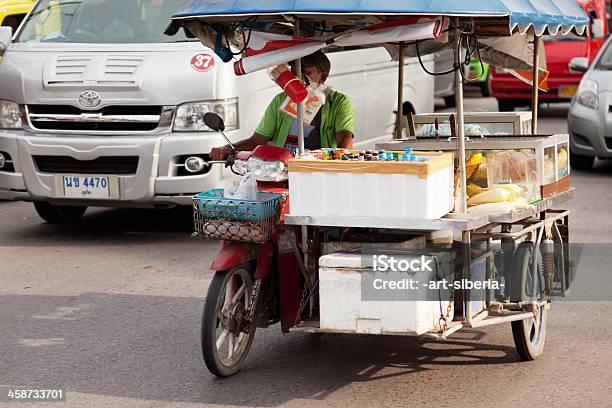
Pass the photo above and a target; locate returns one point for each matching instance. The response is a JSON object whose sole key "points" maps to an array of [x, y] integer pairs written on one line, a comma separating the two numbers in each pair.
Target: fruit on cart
{"points": [[503, 198], [519, 204], [495, 195], [480, 178], [492, 208], [471, 168], [473, 189], [562, 158], [515, 190]]}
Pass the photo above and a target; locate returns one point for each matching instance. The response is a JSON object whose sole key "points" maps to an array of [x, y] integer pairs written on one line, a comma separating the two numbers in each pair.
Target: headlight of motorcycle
{"points": [[10, 117], [190, 116], [267, 170], [587, 94], [241, 167]]}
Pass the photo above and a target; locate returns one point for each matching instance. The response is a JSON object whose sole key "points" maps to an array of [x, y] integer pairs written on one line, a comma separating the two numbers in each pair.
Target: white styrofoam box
{"points": [[342, 308], [331, 191]]}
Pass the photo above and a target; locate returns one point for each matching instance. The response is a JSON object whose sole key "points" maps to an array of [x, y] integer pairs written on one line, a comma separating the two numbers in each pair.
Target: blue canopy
{"points": [[546, 16]]}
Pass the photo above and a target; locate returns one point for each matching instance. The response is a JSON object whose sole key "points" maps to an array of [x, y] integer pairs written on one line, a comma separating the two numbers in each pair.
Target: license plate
{"points": [[87, 186], [567, 91]]}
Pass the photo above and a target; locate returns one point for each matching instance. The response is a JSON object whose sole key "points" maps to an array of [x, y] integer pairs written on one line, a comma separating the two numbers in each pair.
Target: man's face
{"points": [[315, 74]]}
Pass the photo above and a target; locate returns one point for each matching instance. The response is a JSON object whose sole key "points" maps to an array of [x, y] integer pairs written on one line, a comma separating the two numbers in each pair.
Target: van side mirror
{"points": [[597, 28], [6, 37], [579, 65]]}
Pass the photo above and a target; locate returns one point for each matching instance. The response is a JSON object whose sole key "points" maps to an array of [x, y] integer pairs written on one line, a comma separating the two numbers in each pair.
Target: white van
{"points": [[99, 108]]}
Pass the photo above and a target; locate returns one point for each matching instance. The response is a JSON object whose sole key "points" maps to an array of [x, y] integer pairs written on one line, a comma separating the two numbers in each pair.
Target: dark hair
{"points": [[318, 60]]}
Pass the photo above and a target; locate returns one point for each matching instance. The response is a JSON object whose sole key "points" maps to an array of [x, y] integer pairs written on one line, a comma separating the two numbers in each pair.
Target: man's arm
{"points": [[345, 123], [344, 139], [221, 153]]}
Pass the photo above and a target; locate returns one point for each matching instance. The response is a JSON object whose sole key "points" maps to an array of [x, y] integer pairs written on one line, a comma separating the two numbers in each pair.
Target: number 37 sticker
{"points": [[202, 62]]}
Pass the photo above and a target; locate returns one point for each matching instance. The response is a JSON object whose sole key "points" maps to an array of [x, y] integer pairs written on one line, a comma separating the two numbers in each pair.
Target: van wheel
{"points": [[59, 214], [580, 162]]}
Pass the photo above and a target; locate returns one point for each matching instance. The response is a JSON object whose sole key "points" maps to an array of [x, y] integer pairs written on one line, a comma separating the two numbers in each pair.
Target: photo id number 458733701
{"points": [[14, 394]]}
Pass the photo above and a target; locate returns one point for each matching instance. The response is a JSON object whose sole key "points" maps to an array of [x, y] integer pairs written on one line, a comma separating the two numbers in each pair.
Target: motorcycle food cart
{"points": [[297, 265]]}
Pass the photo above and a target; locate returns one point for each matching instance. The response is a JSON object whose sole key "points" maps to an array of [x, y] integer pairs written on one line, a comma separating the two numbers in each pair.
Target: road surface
{"points": [[110, 309]]}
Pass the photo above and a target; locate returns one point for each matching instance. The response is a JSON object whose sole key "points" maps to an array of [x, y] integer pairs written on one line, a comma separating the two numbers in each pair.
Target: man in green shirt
{"points": [[333, 126]]}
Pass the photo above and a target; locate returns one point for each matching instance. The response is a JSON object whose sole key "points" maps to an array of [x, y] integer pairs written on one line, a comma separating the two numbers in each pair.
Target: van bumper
{"points": [[158, 178]]}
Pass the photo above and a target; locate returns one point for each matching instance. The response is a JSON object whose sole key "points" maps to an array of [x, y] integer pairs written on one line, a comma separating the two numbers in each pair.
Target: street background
{"points": [[110, 309]]}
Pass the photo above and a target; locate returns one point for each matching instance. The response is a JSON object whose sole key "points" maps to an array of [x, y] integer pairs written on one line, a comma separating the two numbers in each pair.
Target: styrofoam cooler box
{"points": [[346, 307], [409, 190]]}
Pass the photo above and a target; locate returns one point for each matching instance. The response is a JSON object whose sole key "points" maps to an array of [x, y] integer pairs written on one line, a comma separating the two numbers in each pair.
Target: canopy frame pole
{"points": [[300, 106], [460, 123], [535, 91], [399, 126], [300, 120]]}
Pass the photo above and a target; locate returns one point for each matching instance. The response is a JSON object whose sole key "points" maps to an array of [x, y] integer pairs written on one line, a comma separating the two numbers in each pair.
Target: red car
{"points": [[511, 92]]}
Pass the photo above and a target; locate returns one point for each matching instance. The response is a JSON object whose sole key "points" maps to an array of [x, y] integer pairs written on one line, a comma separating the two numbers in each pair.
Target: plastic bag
{"points": [[247, 189]]}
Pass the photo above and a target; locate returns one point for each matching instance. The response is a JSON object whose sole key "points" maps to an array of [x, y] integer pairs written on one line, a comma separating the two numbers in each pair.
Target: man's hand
{"points": [[220, 153]]}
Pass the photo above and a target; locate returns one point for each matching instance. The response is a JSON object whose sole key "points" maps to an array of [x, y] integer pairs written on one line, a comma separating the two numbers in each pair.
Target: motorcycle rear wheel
{"points": [[225, 339]]}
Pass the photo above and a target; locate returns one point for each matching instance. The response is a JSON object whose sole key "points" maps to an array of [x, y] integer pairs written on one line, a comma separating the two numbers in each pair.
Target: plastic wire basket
{"points": [[217, 217]]}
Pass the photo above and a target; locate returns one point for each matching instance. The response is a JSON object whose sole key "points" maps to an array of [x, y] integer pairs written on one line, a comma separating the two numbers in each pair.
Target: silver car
{"points": [[590, 120]]}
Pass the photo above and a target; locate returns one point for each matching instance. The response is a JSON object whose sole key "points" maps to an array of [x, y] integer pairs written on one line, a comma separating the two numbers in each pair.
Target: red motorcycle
{"points": [[258, 278]]}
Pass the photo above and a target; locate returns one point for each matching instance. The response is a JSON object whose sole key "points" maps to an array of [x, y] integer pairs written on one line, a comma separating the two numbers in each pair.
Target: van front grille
{"points": [[108, 119], [102, 165]]}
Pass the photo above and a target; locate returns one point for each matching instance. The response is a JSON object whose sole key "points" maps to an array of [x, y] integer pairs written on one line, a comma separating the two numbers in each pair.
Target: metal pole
{"points": [[300, 120], [300, 106], [460, 124], [400, 93], [535, 106]]}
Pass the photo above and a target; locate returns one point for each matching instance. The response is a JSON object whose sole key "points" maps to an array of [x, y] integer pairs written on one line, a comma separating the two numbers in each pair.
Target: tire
{"points": [[529, 334], [218, 362], [59, 214], [506, 105], [579, 162], [485, 87], [450, 101]]}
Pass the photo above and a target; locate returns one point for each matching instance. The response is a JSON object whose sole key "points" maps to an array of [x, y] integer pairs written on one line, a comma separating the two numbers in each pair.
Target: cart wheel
{"points": [[527, 284], [225, 340], [529, 334]]}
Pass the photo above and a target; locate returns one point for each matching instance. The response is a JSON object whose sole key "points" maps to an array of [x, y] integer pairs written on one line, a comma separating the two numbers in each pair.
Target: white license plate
{"points": [[87, 186]]}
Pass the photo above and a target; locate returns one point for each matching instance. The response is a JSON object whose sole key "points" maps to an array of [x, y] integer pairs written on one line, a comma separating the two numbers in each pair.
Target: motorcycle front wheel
{"points": [[226, 338]]}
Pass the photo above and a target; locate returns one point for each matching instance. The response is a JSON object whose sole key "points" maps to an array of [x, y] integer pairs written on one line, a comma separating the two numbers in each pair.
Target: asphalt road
{"points": [[110, 309]]}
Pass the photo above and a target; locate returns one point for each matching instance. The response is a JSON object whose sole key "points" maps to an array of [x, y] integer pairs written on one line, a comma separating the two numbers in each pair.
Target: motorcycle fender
{"points": [[233, 254], [264, 260]]}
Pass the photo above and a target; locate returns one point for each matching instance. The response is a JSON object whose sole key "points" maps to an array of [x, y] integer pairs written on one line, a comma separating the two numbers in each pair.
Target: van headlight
{"points": [[190, 116], [587, 94], [10, 118]]}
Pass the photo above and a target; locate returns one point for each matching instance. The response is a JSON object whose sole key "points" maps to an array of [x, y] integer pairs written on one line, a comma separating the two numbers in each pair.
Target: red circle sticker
{"points": [[202, 62]]}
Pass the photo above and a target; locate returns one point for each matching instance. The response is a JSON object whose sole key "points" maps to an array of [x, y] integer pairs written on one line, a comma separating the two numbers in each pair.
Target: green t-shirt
{"points": [[336, 116]]}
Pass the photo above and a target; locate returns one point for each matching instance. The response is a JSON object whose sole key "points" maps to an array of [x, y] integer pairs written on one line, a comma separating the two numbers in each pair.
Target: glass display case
{"points": [[476, 124], [538, 163]]}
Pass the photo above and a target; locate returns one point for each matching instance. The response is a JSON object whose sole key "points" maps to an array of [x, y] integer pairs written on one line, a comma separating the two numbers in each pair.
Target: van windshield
{"points": [[101, 21]]}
